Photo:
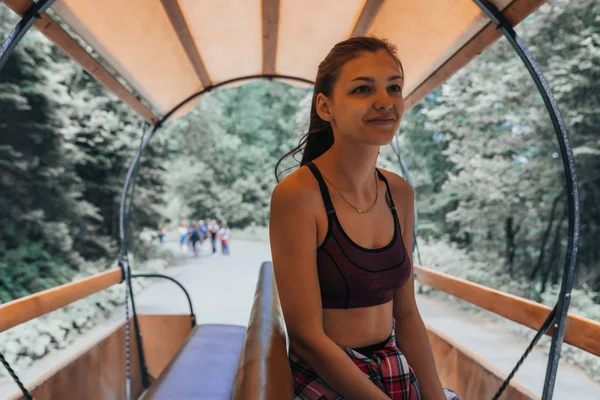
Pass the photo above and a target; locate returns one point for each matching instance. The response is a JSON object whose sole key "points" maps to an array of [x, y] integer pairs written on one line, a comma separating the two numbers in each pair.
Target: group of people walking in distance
{"points": [[193, 236]]}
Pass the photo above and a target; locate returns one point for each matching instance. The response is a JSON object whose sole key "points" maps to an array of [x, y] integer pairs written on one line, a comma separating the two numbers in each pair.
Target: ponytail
{"points": [[312, 144]]}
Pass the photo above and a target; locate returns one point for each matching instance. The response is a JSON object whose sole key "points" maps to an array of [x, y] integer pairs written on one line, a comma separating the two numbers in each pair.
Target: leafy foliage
{"points": [[227, 148], [485, 157], [64, 147], [481, 151]]}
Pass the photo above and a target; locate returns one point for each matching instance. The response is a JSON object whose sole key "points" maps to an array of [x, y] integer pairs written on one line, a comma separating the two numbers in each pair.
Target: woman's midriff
{"points": [[358, 327]]}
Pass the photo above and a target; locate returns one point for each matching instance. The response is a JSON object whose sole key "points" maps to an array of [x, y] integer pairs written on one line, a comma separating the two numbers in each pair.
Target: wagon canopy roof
{"points": [[168, 50]]}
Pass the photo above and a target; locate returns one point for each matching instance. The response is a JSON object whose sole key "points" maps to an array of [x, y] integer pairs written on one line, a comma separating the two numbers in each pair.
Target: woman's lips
{"points": [[382, 121]]}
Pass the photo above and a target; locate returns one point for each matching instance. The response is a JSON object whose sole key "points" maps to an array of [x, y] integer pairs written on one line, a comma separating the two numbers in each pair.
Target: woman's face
{"points": [[367, 103]]}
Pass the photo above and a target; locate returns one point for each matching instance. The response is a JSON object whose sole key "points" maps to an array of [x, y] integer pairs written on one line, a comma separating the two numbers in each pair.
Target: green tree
{"points": [[64, 150], [42, 211], [227, 149], [506, 174]]}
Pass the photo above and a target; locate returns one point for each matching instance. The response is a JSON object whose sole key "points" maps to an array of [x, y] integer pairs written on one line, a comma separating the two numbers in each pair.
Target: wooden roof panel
{"points": [[232, 38], [228, 34], [308, 29], [136, 37], [428, 33]]}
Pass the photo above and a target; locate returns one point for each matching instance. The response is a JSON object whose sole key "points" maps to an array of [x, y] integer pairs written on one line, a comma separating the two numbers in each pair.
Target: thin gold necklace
{"points": [[362, 211]]}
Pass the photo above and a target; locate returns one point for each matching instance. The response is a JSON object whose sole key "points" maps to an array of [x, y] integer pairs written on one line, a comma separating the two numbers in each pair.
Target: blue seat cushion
{"points": [[205, 366]]}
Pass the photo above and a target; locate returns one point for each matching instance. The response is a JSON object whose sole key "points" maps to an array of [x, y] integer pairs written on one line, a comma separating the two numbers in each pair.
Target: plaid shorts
{"points": [[387, 369]]}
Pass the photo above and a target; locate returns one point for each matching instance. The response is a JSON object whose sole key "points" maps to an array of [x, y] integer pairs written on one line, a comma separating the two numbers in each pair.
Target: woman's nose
{"points": [[383, 103]]}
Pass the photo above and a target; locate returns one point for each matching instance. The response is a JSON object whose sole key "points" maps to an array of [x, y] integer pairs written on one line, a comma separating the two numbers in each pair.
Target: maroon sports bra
{"points": [[351, 276]]}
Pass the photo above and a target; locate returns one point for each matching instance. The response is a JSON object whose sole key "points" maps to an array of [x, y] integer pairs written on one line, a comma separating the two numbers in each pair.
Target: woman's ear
{"points": [[322, 108]]}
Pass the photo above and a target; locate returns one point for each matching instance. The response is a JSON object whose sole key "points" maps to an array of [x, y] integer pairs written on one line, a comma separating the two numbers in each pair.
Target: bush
{"points": [[29, 269]]}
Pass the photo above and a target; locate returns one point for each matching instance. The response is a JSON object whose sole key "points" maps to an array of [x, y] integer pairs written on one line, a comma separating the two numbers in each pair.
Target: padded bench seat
{"points": [[205, 366]]}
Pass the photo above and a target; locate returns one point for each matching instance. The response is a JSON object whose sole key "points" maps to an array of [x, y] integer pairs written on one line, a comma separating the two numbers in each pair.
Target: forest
{"points": [[481, 152]]}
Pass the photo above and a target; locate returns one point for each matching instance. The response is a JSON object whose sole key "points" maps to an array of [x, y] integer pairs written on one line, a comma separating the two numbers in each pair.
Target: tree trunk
{"points": [[555, 257], [74, 81], [596, 287], [545, 238], [510, 246]]}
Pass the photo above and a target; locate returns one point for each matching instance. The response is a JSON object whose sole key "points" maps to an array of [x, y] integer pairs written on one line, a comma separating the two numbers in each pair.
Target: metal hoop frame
{"points": [[131, 178], [566, 152], [22, 27], [175, 281]]}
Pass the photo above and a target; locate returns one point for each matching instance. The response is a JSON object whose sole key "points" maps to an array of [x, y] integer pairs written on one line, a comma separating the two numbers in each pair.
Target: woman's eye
{"points": [[395, 88], [362, 89]]}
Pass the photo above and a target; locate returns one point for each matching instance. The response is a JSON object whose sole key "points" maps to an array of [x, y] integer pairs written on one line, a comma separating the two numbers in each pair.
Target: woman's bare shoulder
{"points": [[402, 191], [298, 191]]}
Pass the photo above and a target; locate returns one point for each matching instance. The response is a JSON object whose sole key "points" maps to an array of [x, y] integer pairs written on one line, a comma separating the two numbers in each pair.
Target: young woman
{"points": [[341, 234]]}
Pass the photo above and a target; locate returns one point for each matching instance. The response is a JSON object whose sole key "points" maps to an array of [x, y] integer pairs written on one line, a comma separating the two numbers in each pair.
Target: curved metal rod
{"points": [[32, 14], [404, 168], [133, 173], [189, 299], [123, 250], [568, 160], [150, 134], [7, 49], [545, 326]]}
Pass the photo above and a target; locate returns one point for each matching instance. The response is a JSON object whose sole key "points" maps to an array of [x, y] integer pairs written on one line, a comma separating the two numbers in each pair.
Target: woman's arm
{"points": [[293, 236], [411, 335]]}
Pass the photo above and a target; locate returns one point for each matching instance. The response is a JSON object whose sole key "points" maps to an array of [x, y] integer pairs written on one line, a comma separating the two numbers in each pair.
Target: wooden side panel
{"points": [[162, 336], [467, 374], [98, 373]]}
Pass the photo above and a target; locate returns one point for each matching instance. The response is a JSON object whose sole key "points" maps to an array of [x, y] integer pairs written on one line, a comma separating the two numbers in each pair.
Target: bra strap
{"points": [[324, 192], [388, 191]]}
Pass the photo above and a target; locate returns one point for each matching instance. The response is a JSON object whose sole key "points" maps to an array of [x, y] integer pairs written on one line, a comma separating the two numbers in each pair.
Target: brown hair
{"points": [[319, 137]]}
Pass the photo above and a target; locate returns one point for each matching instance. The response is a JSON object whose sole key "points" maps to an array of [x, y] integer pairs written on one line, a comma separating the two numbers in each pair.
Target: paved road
{"points": [[221, 288], [222, 291]]}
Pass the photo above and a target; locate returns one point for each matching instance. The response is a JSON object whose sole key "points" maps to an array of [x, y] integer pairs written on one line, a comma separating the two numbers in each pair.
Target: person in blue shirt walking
{"points": [[202, 230]]}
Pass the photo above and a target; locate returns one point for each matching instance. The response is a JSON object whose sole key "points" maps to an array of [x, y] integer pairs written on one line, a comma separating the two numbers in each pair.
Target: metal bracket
{"points": [[32, 14]]}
